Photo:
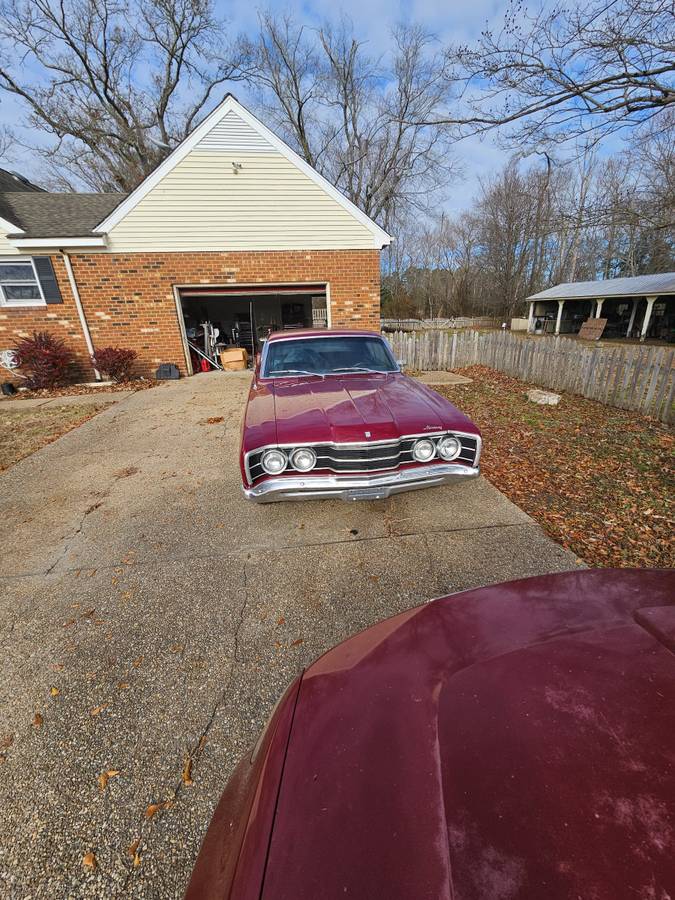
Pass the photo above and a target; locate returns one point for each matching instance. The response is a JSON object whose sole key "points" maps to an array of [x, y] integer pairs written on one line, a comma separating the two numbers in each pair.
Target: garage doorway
{"points": [[219, 319]]}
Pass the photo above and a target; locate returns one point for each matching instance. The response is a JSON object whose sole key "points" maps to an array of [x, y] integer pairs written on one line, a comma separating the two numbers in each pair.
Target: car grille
{"points": [[380, 457]]}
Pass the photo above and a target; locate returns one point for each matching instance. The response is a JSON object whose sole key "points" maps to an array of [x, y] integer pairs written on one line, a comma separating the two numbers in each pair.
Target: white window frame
{"points": [[22, 304]]}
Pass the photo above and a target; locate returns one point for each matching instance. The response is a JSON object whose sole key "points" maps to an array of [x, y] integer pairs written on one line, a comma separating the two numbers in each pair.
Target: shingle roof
{"points": [[13, 181], [43, 215], [641, 286]]}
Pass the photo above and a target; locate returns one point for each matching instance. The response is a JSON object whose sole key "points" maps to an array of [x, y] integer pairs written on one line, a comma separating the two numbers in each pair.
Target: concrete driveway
{"points": [[150, 615]]}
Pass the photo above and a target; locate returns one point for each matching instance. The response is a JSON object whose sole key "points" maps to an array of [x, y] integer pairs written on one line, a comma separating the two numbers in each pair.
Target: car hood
{"points": [[360, 408], [511, 742]]}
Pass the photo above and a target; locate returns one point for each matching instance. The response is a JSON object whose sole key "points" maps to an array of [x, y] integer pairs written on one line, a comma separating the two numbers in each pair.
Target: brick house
{"points": [[233, 229]]}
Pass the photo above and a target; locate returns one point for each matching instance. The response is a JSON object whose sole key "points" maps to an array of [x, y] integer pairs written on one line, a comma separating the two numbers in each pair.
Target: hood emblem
{"points": [[368, 434]]}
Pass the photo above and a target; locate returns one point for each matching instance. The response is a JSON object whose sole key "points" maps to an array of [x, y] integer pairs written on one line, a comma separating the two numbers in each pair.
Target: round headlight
{"points": [[423, 450], [449, 447], [303, 459], [273, 462]]}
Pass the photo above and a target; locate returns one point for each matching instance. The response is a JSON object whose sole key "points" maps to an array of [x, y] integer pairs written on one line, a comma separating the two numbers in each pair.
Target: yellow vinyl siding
{"points": [[270, 204], [6, 248]]}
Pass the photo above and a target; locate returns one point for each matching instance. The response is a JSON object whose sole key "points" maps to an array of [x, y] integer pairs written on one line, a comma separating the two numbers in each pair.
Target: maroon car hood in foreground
{"points": [[516, 741], [340, 409]]}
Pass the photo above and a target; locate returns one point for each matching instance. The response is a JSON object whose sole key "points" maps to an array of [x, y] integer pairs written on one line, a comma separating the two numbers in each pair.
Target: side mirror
{"points": [[401, 363]]}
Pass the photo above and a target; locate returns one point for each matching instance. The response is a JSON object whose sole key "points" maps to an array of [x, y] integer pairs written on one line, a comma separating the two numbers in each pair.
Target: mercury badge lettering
{"points": [[331, 415]]}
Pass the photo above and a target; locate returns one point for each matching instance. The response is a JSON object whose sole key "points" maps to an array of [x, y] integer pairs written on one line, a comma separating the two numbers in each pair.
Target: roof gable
{"points": [[232, 133], [232, 128]]}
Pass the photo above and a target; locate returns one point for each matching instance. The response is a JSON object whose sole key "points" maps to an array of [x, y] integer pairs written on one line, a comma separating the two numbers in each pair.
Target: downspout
{"points": [[80, 310]]}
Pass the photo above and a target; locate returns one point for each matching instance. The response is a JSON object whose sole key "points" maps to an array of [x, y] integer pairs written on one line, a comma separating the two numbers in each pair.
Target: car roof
{"points": [[511, 741], [321, 332]]}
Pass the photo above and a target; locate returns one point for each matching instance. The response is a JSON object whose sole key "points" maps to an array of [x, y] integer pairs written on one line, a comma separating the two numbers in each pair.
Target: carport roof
{"points": [[641, 286]]}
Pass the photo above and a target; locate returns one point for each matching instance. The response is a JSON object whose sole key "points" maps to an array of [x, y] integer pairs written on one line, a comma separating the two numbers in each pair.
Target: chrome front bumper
{"points": [[357, 487]]}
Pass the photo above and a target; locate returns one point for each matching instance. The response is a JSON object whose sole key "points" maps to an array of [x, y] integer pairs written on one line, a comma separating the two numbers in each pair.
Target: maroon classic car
{"points": [[515, 742], [330, 414]]}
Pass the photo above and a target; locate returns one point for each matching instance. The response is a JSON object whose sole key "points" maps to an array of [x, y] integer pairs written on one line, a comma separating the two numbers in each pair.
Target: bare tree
{"points": [[115, 85], [537, 225], [355, 118], [565, 73]]}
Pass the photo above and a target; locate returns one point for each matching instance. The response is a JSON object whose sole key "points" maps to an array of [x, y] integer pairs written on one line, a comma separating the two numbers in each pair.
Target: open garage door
{"points": [[222, 318]]}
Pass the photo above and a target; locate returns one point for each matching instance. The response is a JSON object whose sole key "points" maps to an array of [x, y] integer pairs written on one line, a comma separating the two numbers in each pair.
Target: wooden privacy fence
{"points": [[630, 377], [424, 324]]}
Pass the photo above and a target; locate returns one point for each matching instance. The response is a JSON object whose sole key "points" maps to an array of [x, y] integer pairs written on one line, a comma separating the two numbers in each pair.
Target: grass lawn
{"points": [[599, 480], [22, 432]]}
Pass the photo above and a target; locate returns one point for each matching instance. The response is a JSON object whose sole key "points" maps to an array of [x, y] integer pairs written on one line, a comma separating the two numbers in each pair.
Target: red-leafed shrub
{"points": [[44, 359], [115, 362]]}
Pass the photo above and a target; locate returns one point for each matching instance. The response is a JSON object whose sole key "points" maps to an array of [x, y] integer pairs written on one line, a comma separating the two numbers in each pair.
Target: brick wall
{"points": [[129, 300], [59, 319]]}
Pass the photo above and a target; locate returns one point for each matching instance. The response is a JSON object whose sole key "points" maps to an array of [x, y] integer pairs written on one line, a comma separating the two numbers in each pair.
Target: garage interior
{"points": [[221, 320]]}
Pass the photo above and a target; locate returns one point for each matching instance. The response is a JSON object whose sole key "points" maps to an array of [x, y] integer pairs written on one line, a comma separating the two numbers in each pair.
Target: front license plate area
{"points": [[366, 494]]}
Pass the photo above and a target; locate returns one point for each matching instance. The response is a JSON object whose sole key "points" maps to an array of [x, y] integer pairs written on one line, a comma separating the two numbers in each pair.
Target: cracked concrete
{"points": [[169, 615]]}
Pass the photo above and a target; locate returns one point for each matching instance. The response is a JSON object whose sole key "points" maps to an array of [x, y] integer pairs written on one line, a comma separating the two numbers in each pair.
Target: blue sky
{"points": [[450, 22]]}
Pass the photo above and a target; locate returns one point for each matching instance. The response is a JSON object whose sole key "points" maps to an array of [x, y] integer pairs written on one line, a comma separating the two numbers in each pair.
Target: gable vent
{"points": [[233, 134]]}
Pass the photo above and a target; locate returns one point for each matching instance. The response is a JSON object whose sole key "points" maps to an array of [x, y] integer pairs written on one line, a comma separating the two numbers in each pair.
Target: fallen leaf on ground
{"points": [[123, 685], [126, 473], [137, 662], [37, 720], [214, 420], [281, 620], [186, 774], [133, 849], [89, 860], [155, 808], [596, 478], [6, 741], [54, 691], [105, 777], [98, 709], [297, 642], [177, 648]]}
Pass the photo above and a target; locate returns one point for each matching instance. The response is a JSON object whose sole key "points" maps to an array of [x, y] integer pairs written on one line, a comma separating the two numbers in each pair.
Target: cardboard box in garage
{"points": [[234, 359]]}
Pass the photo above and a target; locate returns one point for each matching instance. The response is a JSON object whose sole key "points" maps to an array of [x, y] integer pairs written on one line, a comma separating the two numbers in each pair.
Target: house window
{"points": [[19, 284]]}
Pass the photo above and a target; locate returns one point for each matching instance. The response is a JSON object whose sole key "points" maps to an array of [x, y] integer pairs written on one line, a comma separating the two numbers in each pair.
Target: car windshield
{"points": [[327, 356]]}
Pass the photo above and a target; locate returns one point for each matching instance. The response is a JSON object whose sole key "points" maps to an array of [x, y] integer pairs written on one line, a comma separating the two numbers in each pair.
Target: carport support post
{"points": [[598, 307], [631, 321], [530, 317], [648, 315], [561, 303]]}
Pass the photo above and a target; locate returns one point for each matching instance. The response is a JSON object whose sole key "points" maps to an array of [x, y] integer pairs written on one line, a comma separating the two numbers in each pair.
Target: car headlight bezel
{"points": [[446, 455], [300, 450], [276, 453], [427, 443]]}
